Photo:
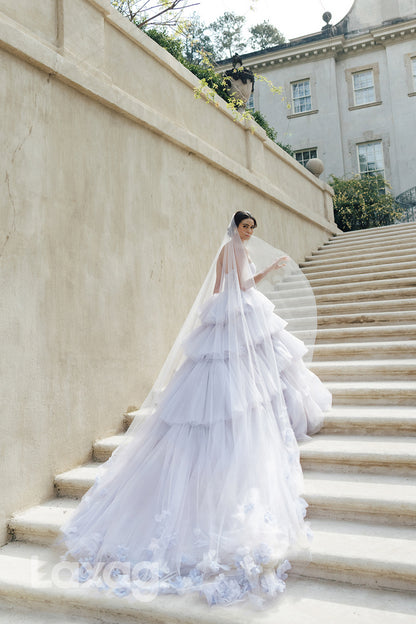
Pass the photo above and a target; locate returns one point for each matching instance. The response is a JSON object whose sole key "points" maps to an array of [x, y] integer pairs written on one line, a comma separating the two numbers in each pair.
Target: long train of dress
{"points": [[207, 495]]}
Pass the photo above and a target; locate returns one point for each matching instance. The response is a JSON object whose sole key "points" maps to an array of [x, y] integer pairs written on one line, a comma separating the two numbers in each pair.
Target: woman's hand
{"points": [[281, 262], [277, 264]]}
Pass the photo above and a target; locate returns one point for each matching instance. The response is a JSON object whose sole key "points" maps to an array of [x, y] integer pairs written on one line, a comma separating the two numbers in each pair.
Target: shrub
{"points": [[363, 202]]}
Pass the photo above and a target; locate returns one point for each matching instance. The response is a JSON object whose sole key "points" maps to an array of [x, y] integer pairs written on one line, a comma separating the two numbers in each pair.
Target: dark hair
{"points": [[240, 215]]}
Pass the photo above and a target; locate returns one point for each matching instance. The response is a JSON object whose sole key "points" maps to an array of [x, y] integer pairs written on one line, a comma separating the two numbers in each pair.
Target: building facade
{"points": [[349, 92]]}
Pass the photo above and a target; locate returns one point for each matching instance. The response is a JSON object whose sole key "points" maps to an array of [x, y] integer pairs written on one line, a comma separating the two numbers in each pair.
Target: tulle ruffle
{"points": [[182, 513], [206, 495], [201, 387]]}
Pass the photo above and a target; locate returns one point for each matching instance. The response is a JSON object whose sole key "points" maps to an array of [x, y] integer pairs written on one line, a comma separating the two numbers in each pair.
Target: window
{"points": [[370, 158], [363, 86], [302, 156], [410, 62], [301, 96]]}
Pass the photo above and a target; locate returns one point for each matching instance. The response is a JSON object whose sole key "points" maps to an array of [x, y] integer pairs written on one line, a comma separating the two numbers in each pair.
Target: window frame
{"points": [[410, 62], [349, 77], [358, 90], [296, 78], [302, 97], [304, 151], [374, 171]]}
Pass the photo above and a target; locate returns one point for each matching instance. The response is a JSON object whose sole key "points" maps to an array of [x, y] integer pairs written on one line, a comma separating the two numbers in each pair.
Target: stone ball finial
{"points": [[315, 166], [327, 16]]}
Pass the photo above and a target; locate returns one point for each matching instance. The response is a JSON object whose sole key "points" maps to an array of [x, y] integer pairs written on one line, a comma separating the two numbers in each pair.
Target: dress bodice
{"points": [[229, 276]]}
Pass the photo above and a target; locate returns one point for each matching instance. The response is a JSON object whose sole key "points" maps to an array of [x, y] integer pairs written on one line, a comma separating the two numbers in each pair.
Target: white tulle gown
{"points": [[206, 496]]}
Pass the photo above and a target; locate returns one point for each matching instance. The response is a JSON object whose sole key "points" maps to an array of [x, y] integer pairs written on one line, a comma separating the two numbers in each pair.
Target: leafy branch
{"points": [[148, 12]]}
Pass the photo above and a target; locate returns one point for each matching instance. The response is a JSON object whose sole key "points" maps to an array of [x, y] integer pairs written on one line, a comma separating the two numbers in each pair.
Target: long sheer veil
{"points": [[208, 487], [287, 288]]}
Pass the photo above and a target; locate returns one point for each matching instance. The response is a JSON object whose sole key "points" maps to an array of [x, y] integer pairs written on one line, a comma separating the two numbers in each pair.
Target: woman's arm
{"points": [[231, 259], [276, 265], [219, 272]]}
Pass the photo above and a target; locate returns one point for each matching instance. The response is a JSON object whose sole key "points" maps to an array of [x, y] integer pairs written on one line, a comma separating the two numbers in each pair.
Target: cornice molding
{"points": [[334, 47]]}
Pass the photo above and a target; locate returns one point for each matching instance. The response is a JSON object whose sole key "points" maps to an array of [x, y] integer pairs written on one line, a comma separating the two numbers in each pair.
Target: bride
{"points": [[205, 494]]}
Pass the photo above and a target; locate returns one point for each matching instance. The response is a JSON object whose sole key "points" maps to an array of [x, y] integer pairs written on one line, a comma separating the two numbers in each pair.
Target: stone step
{"points": [[370, 233], [332, 261], [357, 260], [371, 286], [347, 451], [40, 524], [27, 575], [380, 454], [367, 244], [375, 420], [354, 304], [354, 249], [352, 276], [373, 392], [377, 556], [315, 263], [357, 496], [368, 370], [369, 333], [75, 482], [36, 614], [360, 319], [384, 230], [342, 240], [401, 349], [379, 271], [361, 497], [343, 298], [129, 417], [102, 449]]}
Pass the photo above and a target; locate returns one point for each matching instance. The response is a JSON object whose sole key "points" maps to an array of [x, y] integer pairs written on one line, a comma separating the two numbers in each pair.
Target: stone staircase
{"points": [[360, 471]]}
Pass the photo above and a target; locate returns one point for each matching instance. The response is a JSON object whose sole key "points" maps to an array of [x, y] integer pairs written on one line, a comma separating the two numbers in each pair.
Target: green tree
{"points": [[204, 72], [146, 13], [265, 35], [363, 202], [197, 44], [227, 34]]}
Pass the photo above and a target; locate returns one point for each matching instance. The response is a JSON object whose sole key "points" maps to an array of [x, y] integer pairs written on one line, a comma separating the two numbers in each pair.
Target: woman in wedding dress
{"points": [[205, 494]]}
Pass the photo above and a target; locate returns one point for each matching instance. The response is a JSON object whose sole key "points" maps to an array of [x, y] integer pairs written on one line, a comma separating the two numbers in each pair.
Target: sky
{"points": [[292, 17]]}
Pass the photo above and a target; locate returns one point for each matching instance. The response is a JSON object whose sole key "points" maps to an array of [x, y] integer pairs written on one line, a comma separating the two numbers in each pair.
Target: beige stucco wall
{"points": [[116, 188], [366, 13]]}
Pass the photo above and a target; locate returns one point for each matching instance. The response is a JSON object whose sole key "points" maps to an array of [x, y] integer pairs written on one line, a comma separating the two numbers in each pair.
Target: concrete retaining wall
{"points": [[116, 188]]}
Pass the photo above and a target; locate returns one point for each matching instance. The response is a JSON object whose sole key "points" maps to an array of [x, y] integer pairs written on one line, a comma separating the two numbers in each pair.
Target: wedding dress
{"points": [[205, 495]]}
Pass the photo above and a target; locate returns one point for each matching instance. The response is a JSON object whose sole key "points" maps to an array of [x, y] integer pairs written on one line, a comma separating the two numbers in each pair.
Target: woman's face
{"points": [[246, 228]]}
